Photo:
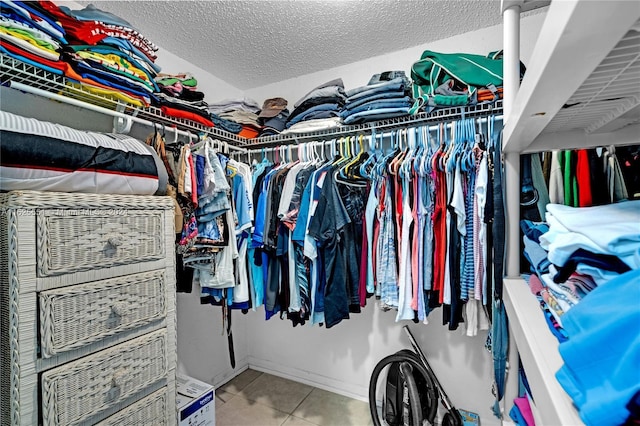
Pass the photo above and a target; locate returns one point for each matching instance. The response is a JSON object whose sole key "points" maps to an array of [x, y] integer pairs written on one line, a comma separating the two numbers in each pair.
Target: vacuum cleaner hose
{"points": [[421, 386]]}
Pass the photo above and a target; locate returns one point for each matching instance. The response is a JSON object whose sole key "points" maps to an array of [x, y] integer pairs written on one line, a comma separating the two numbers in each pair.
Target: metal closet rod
{"points": [[323, 139], [106, 111], [445, 114]]}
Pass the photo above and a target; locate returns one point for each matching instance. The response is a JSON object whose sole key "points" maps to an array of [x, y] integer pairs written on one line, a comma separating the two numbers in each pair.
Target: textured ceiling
{"points": [[253, 43]]}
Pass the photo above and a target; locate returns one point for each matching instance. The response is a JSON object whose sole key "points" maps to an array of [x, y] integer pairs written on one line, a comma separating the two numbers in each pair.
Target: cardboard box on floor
{"points": [[195, 402]]}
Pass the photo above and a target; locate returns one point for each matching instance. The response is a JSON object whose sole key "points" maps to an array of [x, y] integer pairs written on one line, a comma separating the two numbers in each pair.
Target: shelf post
{"points": [[511, 161], [511, 74]]}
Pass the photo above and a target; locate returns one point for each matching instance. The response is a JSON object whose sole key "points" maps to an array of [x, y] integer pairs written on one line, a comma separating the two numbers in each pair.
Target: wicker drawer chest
{"points": [[87, 319]]}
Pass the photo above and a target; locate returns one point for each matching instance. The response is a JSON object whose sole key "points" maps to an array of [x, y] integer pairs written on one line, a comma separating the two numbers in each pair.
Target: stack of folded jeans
{"points": [[325, 101], [385, 96]]}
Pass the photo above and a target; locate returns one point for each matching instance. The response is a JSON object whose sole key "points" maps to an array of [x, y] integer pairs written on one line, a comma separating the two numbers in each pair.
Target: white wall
{"points": [[357, 74], [213, 87], [202, 345], [342, 358]]}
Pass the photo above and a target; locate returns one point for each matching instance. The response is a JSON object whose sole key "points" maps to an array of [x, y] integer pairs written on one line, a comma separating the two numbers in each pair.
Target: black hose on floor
{"points": [[422, 395]]}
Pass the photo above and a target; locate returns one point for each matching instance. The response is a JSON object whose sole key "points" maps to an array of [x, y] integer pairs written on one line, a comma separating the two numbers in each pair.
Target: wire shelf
{"points": [[437, 116], [14, 70]]}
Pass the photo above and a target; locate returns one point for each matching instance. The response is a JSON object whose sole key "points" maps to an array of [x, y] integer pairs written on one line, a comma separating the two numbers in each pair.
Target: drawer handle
{"points": [[119, 308], [115, 240], [118, 378]]}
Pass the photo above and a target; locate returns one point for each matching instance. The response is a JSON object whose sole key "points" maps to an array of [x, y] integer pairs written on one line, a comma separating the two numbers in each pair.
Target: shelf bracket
{"points": [[121, 124]]}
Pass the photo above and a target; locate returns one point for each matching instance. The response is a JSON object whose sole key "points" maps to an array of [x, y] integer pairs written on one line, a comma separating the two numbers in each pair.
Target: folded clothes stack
{"points": [[32, 35], [242, 112], [578, 250], [180, 98], [325, 101], [108, 54], [385, 96], [273, 116]]}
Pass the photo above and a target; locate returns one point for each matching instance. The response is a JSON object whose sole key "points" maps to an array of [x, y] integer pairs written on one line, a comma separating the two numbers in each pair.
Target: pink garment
{"points": [[525, 410], [194, 182]]}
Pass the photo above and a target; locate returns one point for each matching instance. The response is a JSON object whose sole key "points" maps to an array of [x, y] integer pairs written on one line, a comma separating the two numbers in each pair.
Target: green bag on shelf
{"points": [[453, 79]]}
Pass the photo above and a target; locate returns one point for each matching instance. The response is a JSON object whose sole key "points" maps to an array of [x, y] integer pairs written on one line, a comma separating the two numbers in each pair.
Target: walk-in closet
{"points": [[320, 212]]}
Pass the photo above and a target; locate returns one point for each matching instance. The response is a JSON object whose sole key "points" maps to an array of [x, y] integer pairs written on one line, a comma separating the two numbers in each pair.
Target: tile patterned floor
{"points": [[260, 399]]}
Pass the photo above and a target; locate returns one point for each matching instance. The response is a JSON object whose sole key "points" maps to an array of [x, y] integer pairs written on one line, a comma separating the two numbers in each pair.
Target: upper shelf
{"points": [[582, 85], [16, 71]]}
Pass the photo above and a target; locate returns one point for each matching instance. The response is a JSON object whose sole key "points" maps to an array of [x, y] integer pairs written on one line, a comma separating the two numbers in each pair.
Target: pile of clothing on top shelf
{"points": [[179, 97], [100, 51], [238, 116], [329, 105], [443, 80], [385, 96], [32, 35], [586, 199], [318, 109]]}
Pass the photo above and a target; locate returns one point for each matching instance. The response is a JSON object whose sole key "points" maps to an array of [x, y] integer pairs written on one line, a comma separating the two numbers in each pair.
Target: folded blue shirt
{"points": [[54, 29], [374, 97], [378, 104], [377, 114], [306, 114], [127, 45], [602, 355], [383, 86], [92, 13]]}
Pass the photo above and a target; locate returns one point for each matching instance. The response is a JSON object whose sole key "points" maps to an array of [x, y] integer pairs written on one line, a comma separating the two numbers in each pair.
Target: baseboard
{"points": [[312, 379], [222, 378]]}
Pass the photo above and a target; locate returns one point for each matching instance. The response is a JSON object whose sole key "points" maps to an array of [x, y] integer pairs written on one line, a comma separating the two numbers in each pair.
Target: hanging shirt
{"points": [[328, 220], [370, 213], [405, 283]]}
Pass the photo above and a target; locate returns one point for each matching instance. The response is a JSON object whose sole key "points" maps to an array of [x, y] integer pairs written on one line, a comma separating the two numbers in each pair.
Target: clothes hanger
{"points": [[351, 169], [397, 161], [382, 168], [199, 143], [425, 169], [371, 159], [468, 158], [436, 159], [406, 166], [396, 150], [351, 159]]}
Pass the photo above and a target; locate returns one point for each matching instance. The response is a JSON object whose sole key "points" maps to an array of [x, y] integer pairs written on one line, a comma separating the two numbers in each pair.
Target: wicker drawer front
{"points": [[76, 316], [78, 240], [149, 411], [79, 390]]}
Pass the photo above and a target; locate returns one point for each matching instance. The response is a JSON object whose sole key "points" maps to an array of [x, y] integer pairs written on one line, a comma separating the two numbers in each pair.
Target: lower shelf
{"points": [[538, 350]]}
